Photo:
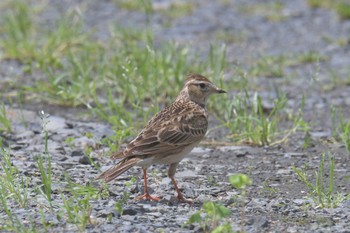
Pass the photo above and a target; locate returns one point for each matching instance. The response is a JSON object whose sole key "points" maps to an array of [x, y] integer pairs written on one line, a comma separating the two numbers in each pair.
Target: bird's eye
{"points": [[202, 85]]}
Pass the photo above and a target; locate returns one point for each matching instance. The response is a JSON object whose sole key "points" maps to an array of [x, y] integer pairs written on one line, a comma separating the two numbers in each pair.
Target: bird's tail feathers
{"points": [[118, 169], [117, 155]]}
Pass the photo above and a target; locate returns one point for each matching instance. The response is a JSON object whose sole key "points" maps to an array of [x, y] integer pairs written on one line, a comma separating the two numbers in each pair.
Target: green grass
{"points": [[343, 10], [249, 122], [342, 7], [72, 205], [340, 128], [322, 195], [210, 217], [272, 11], [5, 120], [177, 10], [213, 216], [17, 31], [14, 191], [136, 5], [274, 66], [16, 187]]}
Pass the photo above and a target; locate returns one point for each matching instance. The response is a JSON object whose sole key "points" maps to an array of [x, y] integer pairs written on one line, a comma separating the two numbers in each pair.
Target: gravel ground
{"points": [[276, 201]]}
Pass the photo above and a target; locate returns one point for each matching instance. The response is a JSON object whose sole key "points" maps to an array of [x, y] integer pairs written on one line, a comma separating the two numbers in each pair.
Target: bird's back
{"points": [[180, 124]]}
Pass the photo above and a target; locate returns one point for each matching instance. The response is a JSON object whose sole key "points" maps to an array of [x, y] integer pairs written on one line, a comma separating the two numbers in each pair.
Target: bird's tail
{"points": [[118, 169]]}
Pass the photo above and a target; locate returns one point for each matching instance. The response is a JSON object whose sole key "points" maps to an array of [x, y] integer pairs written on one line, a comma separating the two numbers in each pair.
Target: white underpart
{"points": [[175, 158]]}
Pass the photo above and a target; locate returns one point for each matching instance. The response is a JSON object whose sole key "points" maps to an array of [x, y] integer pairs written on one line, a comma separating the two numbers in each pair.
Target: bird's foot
{"points": [[181, 199], [146, 196]]}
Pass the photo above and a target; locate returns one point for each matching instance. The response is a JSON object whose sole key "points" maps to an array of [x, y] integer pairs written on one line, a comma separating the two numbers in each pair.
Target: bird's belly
{"points": [[167, 159], [175, 158]]}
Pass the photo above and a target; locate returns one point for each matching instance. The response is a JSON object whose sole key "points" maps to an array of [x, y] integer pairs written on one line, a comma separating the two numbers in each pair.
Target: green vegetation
{"points": [[5, 121], [75, 205], [342, 7], [274, 66], [321, 195], [250, 122], [212, 215], [72, 205], [341, 128], [272, 11], [13, 186], [241, 181]]}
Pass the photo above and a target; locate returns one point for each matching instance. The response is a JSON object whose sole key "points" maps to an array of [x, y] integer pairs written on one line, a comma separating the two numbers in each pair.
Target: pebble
{"points": [[77, 153], [55, 123], [84, 142]]}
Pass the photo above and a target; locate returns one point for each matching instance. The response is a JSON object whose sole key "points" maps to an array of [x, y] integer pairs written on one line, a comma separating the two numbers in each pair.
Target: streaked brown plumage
{"points": [[170, 135]]}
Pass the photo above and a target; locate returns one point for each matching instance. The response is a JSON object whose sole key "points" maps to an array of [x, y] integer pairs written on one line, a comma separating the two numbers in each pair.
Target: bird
{"points": [[169, 135]]}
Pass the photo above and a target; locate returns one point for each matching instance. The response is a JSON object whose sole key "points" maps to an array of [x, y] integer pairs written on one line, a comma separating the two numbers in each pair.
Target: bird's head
{"points": [[198, 88]]}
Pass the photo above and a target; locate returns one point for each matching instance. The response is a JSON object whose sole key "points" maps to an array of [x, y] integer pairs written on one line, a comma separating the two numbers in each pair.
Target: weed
{"points": [[12, 187], [241, 181], [45, 171], [319, 3], [69, 141], [341, 129], [272, 11], [119, 206], [5, 121], [114, 141], [17, 31], [78, 211], [269, 66], [322, 196], [307, 140], [340, 6], [249, 122], [308, 57], [77, 208], [210, 217], [136, 5], [178, 9], [45, 174]]}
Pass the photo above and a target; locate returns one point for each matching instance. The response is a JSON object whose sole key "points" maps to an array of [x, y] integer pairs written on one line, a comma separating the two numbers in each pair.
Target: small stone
{"points": [[284, 171], [106, 212], [25, 134], [301, 202], [108, 228], [77, 153], [55, 123], [84, 142], [129, 211], [86, 160], [18, 146]]}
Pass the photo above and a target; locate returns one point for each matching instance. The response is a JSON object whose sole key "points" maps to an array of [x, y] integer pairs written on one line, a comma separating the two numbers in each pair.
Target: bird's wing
{"points": [[168, 137]]}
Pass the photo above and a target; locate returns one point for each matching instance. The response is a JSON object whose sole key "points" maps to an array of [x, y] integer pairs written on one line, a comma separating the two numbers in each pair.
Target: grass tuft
{"points": [[322, 195]]}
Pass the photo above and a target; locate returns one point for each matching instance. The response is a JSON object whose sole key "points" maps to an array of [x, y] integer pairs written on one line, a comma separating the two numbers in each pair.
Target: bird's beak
{"points": [[220, 91]]}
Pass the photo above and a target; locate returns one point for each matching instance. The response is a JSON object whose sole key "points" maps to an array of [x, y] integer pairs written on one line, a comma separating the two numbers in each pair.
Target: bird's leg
{"points": [[146, 195], [171, 173]]}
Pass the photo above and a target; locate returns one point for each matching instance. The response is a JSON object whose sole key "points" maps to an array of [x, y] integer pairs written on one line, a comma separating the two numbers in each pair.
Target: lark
{"points": [[169, 135]]}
